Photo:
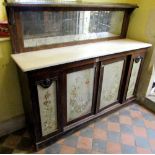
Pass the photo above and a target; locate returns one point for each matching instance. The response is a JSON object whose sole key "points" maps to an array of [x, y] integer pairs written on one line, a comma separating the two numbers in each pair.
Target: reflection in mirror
{"points": [[46, 28]]}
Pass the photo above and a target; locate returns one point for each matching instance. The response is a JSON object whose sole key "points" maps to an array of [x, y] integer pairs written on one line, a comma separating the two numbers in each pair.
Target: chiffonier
{"points": [[75, 63]]}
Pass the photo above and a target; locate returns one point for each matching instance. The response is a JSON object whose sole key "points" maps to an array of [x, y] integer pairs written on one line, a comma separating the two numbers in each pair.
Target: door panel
{"points": [[48, 107], [79, 93], [111, 83], [133, 78], [111, 80]]}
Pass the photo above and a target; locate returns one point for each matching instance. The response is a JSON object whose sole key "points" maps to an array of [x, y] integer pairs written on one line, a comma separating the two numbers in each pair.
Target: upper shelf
{"points": [[77, 4]]}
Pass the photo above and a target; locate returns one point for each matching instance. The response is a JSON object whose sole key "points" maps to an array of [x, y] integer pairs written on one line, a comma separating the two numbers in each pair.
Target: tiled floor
{"points": [[129, 130]]}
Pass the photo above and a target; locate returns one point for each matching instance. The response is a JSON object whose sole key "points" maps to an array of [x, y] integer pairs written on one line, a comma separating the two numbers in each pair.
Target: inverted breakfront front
{"points": [[75, 63]]}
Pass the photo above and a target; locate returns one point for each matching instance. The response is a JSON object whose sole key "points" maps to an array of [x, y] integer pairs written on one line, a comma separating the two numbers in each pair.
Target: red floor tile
{"points": [[140, 131], [125, 120], [84, 143], [150, 124], [136, 114], [113, 148], [152, 143], [113, 127], [67, 150], [127, 139], [99, 134]]}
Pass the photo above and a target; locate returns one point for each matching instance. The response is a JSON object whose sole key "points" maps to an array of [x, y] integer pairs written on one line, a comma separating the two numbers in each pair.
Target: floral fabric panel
{"points": [[133, 79], [48, 109], [79, 93], [111, 83]]}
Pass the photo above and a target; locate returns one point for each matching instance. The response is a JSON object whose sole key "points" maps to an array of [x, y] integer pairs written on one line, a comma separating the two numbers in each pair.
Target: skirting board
{"points": [[11, 125], [149, 104]]}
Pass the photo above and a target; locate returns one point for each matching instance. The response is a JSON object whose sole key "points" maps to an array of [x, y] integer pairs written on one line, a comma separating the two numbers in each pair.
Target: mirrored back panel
{"points": [[46, 24], [47, 28]]}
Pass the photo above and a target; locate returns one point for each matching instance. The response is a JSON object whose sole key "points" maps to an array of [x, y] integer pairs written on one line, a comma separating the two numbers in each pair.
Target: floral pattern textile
{"points": [[79, 93], [133, 79], [48, 109], [111, 83]]}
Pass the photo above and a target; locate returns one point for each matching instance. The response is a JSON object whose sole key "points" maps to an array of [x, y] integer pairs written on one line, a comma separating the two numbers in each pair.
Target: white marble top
{"points": [[56, 56]]}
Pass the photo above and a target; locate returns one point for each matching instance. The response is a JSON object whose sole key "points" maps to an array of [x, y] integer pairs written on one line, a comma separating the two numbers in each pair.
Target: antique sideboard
{"points": [[75, 63]]}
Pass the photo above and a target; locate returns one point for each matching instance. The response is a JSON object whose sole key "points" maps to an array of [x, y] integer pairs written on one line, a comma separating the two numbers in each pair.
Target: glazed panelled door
{"points": [[110, 80], [137, 61], [47, 96], [79, 86]]}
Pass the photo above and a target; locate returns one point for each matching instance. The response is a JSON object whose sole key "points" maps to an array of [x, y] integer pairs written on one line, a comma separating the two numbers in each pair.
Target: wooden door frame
{"points": [[112, 60], [33, 81], [141, 53], [64, 99]]}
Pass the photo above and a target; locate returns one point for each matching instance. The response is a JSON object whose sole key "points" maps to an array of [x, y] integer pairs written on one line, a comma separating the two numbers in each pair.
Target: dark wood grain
{"points": [[70, 4]]}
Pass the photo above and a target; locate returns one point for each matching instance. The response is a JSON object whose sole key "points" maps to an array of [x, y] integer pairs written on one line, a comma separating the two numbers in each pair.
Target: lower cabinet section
{"points": [[63, 97]]}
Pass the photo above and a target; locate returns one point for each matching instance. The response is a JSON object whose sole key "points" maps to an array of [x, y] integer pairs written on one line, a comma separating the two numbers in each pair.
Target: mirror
{"points": [[54, 27]]}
